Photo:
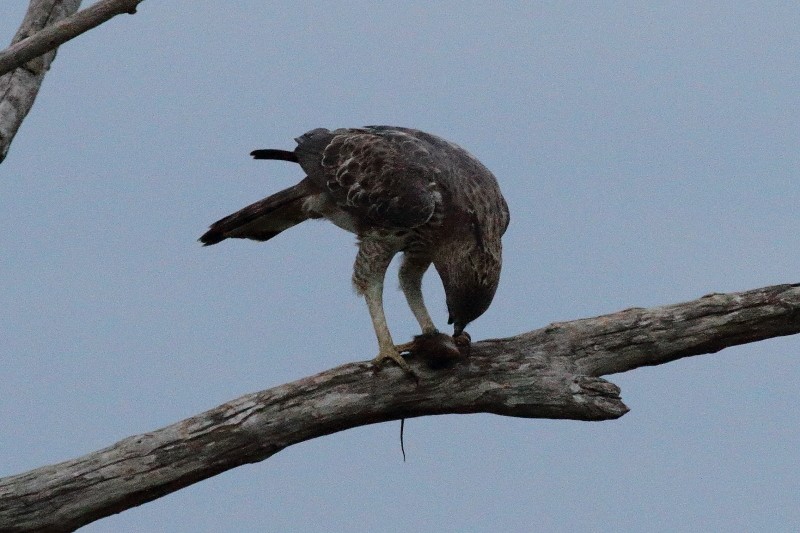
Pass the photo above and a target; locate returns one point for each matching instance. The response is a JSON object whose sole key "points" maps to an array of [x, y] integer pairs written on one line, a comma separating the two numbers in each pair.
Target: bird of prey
{"points": [[398, 190]]}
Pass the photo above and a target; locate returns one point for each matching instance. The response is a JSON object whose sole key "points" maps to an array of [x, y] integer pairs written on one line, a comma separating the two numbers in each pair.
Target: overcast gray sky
{"points": [[649, 152]]}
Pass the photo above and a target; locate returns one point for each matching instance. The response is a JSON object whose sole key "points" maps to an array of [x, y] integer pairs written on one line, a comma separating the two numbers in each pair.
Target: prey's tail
{"points": [[264, 219]]}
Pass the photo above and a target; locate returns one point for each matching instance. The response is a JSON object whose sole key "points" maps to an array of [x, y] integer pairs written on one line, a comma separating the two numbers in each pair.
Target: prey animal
{"points": [[398, 190]]}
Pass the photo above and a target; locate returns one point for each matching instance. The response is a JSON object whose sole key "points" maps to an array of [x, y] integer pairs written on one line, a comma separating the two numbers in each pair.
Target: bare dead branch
{"points": [[23, 65], [51, 37], [18, 88], [647, 337], [547, 373]]}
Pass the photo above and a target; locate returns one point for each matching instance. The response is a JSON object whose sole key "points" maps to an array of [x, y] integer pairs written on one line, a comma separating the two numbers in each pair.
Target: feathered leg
{"points": [[369, 272], [411, 272]]}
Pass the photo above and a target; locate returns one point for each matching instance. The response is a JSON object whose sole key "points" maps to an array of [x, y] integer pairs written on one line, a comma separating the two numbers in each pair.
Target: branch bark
{"points": [[47, 24], [18, 88], [56, 34], [551, 372]]}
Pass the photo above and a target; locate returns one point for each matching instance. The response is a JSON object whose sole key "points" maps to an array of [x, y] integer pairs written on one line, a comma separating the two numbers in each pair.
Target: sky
{"points": [[649, 153]]}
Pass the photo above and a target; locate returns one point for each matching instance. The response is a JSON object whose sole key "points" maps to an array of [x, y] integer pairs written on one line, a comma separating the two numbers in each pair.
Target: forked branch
{"points": [[552, 372], [23, 65], [55, 34]]}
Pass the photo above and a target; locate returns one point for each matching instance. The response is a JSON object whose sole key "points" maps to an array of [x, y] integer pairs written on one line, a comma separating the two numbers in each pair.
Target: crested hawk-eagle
{"points": [[398, 190]]}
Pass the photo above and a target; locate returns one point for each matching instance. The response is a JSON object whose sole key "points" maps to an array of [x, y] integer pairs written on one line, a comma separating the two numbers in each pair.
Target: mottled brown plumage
{"points": [[398, 190]]}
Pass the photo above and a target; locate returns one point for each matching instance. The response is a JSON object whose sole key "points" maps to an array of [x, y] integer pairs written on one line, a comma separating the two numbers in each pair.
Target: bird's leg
{"points": [[386, 348], [368, 274], [411, 272]]}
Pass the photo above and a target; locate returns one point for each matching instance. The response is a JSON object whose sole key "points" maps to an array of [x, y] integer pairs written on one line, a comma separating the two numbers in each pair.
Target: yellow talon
{"points": [[395, 356]]}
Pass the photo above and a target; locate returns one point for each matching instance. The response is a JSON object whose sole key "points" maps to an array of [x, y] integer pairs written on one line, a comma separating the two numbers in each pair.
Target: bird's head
{"points": [[470, 272]]}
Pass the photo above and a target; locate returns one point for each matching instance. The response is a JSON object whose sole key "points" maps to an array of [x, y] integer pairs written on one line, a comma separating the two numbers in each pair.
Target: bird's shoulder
{"points": [[385, 175]]}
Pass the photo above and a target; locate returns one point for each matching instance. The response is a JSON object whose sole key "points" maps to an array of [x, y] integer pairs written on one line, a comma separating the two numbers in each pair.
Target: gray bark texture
{"points": [[552, 372], [20, 84], [47, 24]]}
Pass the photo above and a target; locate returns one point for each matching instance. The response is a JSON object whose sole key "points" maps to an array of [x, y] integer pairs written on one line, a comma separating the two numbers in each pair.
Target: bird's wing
{"points": [[386, 178]]}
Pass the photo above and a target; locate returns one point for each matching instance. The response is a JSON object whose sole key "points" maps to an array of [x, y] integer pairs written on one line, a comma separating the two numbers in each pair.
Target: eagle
{"points": [[398, 190]]}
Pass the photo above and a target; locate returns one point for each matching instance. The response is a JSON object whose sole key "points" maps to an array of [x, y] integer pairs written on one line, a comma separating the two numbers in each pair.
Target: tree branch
{"points": [[639, 337], [547, 373], [53, 36], [47, 24], [18, 89]]}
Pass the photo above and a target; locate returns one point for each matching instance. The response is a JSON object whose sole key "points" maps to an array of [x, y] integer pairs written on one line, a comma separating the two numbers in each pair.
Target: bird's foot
{"points": [[405, 347], [394, 354]]}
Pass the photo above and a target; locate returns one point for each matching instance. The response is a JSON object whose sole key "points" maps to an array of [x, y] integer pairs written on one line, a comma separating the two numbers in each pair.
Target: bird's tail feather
{"points": [[272, 153], [264, 219]]}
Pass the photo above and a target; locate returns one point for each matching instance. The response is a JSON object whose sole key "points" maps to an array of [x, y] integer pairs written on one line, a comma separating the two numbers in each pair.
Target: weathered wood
{"points": [[548, 373], [647, 337], [23, 65], [19, 86], [56, 33]]}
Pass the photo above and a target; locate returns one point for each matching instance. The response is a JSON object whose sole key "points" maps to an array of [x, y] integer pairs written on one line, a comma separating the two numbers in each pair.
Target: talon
{"points": [[405, 347], [395, 356]]}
